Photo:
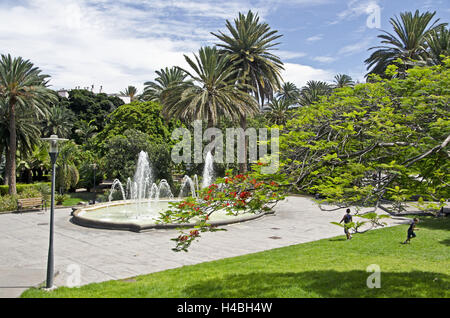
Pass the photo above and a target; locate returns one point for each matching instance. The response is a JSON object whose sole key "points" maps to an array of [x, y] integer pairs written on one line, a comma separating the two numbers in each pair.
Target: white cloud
{"points": [[117, 43], [300, 74], [356, 8], [315, 38], [357, 47], [324, 59], [288, 55]]}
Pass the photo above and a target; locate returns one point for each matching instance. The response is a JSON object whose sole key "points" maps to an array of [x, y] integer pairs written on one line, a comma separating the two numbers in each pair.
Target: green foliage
{"points": [[23, 187], [144, 117], [123, 152], [60, 198], [387, 139], [254, 192]]}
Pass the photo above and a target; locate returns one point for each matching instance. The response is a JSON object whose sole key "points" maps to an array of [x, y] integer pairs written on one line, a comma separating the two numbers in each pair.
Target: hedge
{"points": [[21, 187]]}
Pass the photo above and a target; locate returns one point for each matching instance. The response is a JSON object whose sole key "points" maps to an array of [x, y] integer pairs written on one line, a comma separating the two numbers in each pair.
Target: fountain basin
{"points": [[137, 217]]}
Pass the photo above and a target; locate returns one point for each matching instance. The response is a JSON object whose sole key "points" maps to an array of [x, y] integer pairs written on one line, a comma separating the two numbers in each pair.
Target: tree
{"points": [[313, 91], [408, 43], [142, 116], [278, 112], [215, 94], [59, 122], [289, 92], [388, 139], [249, 47], [438, 41], [123, 152], [166, 79], [342, 80], [131, 92], [23, 87]]}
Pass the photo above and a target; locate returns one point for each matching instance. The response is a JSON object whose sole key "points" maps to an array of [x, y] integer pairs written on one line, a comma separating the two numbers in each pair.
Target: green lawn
{"points": [[326, 268], [77, 197]]}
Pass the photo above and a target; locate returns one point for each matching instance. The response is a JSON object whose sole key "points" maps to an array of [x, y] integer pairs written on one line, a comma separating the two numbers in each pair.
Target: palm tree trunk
{"points": [[11, 169], [6, 177], [243, 165]]}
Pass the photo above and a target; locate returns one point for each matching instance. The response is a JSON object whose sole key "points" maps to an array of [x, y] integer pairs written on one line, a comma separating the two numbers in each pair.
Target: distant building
{"points": [[63, 93], [125, 99]]}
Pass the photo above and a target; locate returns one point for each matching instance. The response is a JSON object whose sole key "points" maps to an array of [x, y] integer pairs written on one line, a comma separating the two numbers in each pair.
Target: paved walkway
{"points": [[102, 255]]}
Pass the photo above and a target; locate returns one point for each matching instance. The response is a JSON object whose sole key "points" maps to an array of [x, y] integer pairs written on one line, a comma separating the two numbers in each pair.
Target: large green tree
{"points": [[383, 140], [23, 87], [249, 46]]}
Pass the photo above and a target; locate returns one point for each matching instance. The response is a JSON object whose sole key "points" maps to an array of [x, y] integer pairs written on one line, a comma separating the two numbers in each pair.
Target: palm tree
{"points": [[438, 41], [59, 122], [278, 111], [248, 47], [212, 94], [23, 87], [28, 131], [289, 92], [313, 91], [343, 80], [131, 92], [166, 78], [408, 42]]}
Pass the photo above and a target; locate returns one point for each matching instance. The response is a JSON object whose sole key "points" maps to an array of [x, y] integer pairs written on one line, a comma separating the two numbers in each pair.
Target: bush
{"points": [[9, 202], [22, 187], [60, 198]]}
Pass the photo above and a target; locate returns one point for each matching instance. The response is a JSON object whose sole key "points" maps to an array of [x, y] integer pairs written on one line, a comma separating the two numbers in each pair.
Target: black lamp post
{"points": [[53, 156]]}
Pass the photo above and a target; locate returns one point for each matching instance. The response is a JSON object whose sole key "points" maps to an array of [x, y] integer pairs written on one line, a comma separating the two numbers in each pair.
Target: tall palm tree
{"points": [[166, 78], [59, 122], [438, 41], [289, 92], [343, 80], [313, 91], [23, 87], [249, 47], [408, 42], [131, 92], [28, 131], [212, 94]]}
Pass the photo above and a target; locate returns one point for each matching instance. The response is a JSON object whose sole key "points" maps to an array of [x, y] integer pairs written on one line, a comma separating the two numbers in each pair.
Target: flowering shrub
{"points": [[253, 192]]}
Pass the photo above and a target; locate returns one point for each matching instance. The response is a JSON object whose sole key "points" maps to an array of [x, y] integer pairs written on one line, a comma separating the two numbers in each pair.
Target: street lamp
{"points": [[53, 151]]}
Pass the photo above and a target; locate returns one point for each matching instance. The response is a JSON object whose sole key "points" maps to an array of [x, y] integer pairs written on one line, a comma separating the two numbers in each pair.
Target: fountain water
{"points": [[208, 170], [187, 184]]}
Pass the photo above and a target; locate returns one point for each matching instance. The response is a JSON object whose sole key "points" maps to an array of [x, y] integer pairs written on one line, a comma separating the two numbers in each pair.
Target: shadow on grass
{"points": [[445, 242], [326, 283]]}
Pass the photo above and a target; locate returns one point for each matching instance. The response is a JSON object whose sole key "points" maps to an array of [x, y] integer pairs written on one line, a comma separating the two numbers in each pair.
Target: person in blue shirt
{"points": [[347, 219], [411, 229]]}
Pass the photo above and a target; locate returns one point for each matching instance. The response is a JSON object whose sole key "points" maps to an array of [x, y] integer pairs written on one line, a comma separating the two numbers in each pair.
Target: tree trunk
{"points": [[243, 165], [11, 169]]}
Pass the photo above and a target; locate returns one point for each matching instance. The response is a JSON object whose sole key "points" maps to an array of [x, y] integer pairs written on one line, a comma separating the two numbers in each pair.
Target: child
{"points": [[347, 219], [411, 229]]}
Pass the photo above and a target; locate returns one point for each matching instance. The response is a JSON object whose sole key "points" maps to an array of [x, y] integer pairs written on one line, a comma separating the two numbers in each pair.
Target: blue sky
{"points": [[120, 43]]}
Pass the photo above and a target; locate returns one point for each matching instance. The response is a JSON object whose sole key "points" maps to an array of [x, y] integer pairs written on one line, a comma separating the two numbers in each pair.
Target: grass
{"points": [[327, 268], [77, 197]]}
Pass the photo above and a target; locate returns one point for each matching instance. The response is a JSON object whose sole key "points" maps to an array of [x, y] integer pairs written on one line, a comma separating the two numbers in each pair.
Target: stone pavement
{"points": [[101, 255]]}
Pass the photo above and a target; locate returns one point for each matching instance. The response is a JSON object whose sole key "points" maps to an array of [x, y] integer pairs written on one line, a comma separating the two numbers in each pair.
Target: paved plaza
{"points": [[103, 255]]}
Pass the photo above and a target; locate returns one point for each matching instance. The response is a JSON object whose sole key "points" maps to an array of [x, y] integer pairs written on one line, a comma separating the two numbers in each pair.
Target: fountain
{"points": [[143, 200], [208, 170]]}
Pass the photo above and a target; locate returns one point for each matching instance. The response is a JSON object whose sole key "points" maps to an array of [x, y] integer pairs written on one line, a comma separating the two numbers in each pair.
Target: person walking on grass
{"points": [[411, 229], [347, 219]]}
